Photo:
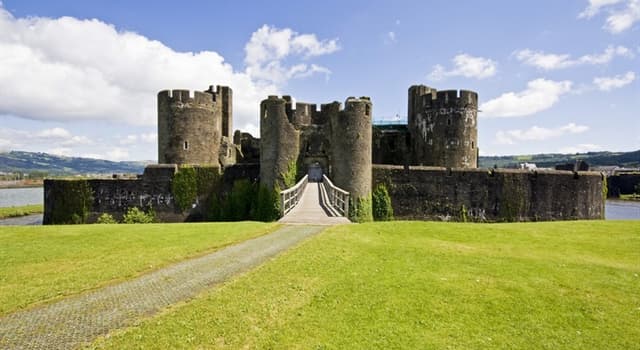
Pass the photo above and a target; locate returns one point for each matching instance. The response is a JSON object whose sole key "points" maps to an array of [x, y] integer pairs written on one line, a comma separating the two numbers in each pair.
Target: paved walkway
{"points": [[310, 209], [76, 320]]}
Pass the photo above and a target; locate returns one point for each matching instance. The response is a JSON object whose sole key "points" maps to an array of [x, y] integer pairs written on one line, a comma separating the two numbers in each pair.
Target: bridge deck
{"points": [[311, 210]]}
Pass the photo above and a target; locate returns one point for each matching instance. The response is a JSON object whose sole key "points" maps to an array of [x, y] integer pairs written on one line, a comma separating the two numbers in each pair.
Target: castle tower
{"points": [[190, 128], [279, 142], [351, 149], [443, 127]]}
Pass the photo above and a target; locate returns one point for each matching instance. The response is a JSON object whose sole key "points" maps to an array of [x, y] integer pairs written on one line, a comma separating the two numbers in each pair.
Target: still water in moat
{"points": [[614, 210]]}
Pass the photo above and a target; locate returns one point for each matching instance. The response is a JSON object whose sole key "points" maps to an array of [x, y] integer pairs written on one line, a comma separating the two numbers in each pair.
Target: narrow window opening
{"points": [[186, 145], [472, 145], [448, 121]]}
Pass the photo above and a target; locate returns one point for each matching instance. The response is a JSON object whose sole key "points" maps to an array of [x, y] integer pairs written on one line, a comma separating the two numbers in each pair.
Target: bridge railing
{"points": [[338, 198], [290, 197]]}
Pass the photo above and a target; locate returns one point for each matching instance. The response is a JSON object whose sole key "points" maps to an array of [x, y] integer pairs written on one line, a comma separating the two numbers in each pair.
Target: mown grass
{"points": [[562, 285], [12, 212], [47, 262]]}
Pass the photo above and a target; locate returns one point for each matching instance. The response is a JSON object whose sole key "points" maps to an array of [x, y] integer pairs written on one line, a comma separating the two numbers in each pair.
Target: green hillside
{"points": [[28, 162], [549, 160]]}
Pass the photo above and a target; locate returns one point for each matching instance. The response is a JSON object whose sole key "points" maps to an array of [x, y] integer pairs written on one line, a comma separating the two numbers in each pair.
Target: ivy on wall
{"points": [[190, 183], [74, 200], [289, 177]]}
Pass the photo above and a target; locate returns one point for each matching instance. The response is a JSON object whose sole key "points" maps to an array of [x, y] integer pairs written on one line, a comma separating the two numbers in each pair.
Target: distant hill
{"points": [[27, 162], [549, 160]]}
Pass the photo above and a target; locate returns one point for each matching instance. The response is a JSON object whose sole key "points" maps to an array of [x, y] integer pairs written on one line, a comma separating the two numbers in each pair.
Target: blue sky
{"points": [[79, 78]]}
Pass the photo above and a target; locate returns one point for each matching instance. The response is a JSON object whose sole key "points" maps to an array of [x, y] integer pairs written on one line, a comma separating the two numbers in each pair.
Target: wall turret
{"points": [[351, 153], [190, 125], [443, 127], [279, 141]]}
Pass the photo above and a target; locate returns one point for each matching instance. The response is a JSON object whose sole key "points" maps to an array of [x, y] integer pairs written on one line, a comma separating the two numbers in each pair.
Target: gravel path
{"points": [[35, 219], [80, 319]]}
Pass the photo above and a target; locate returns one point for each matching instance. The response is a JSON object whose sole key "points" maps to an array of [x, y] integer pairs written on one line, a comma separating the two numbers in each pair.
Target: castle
{"points": [[428, 165]]}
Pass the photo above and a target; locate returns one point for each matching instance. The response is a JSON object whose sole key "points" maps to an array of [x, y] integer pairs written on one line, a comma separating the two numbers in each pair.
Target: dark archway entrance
{"points": [[315, 172]]}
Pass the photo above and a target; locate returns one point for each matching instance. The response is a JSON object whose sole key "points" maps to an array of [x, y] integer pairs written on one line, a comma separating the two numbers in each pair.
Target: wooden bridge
{"points": [[318, 203]]}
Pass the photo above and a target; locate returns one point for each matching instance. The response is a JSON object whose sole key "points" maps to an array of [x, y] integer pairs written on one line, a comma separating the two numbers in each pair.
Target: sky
{"points": [[80, 78]]}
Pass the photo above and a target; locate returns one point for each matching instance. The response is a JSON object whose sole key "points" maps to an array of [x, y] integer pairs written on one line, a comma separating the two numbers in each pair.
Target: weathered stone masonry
{"points": [[436, 193]]}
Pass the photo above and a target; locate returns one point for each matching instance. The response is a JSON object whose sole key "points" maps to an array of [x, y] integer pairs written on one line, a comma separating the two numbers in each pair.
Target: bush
{"points": [[382, 209], [136, 216], [106, 218]]}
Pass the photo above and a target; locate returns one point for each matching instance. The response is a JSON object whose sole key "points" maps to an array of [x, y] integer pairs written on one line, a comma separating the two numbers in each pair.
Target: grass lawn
{"points": [[40, 263], [12, 212], [414, 285]]}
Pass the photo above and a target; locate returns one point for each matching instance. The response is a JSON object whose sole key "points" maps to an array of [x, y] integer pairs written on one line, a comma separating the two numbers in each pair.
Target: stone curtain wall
{"points": [[434, 193], [623, 184]]}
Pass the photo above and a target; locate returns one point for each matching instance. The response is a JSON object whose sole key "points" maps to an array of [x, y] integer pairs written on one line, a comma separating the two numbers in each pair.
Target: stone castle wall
{"points": [[434, 193]]}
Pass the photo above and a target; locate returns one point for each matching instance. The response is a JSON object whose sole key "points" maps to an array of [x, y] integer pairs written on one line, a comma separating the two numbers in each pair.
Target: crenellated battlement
{"points": [[450, 98], [186, 97]]}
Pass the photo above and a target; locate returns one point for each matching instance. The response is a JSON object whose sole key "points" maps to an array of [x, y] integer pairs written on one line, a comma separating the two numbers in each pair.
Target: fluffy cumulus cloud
{"points": [[615, 82], [540, 94], [536, 133], [57, 140], [70, 69], [466, 66], [551, 61], [621, 14], [269, 49]]}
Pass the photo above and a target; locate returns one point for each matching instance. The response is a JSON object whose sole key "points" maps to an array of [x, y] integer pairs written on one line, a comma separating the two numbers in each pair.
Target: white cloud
{"points": [[467, 66], [151, 137], [55, 133], [61, 151], [581, 148], [77, 141], [619, 18], [536, 133], [72, 69], [540, 94], [615, 82], [58, 139], [268, 48], [144, 137], [117, 154], [390, 38], [595, 6], [550, 61]]}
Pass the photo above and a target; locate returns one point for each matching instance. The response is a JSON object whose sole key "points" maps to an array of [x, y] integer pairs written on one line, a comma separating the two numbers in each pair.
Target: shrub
{"points": [[106, 218], [136, 216], [381, 201]]}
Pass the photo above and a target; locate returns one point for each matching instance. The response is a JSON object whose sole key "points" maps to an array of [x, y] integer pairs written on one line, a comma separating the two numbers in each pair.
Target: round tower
{"points": [[444, 131], [351, 154], [279, 142], [189, 128]]}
